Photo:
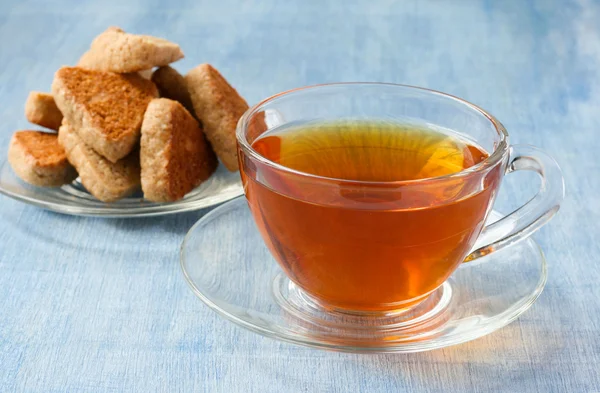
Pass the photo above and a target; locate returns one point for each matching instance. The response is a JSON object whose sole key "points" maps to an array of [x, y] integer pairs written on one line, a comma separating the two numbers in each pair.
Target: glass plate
{"points": [[229, 268], [74, 198]]}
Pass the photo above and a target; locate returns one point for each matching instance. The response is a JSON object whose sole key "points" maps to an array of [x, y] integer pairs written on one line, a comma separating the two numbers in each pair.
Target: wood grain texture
{"points": [[101, 305]]}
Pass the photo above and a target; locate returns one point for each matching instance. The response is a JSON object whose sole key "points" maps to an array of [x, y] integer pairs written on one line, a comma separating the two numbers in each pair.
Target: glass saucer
{"points": [[74, 198], [229, 268]]}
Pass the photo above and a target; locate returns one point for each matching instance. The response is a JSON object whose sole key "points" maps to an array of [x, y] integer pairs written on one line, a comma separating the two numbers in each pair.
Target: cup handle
{"points": [[527, 219]]}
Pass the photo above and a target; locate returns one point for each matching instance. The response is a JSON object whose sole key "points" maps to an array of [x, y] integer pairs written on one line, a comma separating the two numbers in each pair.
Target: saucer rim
{"points": [[122, 212], [518, 308]]}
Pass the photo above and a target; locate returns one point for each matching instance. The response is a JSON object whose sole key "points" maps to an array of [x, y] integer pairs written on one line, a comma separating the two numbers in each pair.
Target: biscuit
{"points": [[171, 85], [117, 51], [105, 180], [219, 107], [146, 74], [38, 158], [174, 155], [105, 109], [41, 109]]}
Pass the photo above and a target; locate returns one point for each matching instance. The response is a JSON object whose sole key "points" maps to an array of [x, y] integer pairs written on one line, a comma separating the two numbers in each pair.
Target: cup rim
{"points": [[499, 151]]}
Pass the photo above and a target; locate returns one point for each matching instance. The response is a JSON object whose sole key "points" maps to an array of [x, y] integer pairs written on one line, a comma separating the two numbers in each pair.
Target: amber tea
{"points": [[368, 244]]}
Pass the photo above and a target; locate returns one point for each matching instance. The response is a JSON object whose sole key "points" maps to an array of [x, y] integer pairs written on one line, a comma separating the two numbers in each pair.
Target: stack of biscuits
{"points": [[125, 118]]}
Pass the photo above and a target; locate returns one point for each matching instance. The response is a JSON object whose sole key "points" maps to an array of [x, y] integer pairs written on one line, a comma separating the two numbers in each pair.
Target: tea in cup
{"points": [[369, 196]]}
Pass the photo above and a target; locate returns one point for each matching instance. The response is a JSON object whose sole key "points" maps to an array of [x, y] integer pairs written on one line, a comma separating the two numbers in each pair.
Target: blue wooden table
{"points": [[101, 305]]}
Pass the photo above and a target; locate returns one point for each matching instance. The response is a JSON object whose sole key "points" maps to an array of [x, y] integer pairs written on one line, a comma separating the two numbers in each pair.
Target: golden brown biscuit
{"points": [[105, 109], [219, 107], [146, 74], [171, 85], [105, 180], [117, 51], [37, 158], [174, 155], [41, 109]]}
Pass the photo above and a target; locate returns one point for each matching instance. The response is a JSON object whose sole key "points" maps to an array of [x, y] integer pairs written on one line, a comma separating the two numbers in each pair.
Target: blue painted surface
{"points": [[100, 305]]}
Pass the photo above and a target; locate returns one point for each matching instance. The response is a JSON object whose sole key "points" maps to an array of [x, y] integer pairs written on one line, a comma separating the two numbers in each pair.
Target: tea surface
{"points": [[369, 151]]}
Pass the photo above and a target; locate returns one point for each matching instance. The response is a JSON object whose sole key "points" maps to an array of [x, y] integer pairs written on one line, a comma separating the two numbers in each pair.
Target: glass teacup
{"points": [[380, 246]]}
